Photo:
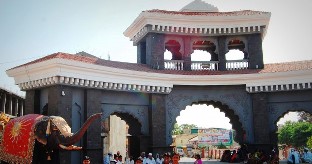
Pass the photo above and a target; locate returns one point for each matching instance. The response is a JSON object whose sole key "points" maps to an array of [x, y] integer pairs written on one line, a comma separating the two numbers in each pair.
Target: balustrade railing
{"points": [[174, 64], [237, 64], [205, 65]]}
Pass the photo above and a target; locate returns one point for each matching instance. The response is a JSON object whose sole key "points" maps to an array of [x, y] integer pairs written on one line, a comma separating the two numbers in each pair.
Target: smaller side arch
{"points": [[140, 113], [178, 39], [240, 38], [278, 110]]}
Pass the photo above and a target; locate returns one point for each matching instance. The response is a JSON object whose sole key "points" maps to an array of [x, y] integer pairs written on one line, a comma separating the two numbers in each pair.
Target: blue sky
{"points": [[36, 28]]}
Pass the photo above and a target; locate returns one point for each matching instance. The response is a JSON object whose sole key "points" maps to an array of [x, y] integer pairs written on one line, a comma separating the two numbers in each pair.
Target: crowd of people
{"points": [[260, 157], [241, 155], [294, 156], [166, 158], [256, 157]]}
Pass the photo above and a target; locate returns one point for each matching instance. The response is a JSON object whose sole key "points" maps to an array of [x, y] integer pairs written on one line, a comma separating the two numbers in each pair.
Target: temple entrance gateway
{"points": [[150, 94]]}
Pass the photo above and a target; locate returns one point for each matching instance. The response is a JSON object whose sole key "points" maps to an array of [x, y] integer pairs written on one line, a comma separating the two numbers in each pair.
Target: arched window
{"points": [[174, 47], [234, 54], [236, 50], [200, 55]]}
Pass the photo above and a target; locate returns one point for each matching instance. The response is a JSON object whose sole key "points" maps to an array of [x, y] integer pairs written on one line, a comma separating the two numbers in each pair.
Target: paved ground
{"points": [[185, 160]]}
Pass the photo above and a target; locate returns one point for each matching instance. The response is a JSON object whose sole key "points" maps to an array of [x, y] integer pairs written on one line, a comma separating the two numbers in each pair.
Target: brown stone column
{"points": [[157, 122]]}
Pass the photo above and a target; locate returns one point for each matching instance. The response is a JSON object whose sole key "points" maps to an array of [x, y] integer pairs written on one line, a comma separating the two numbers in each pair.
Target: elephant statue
{"points": [[37, 139]]}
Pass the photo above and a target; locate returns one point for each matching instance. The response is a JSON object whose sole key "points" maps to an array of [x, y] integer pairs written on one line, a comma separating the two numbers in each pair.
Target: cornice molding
{"points": [[69, 72], [198, 24]]}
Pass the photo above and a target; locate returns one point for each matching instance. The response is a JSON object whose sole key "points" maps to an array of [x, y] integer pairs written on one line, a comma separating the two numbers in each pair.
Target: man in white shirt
{"points": [[150, 159]]}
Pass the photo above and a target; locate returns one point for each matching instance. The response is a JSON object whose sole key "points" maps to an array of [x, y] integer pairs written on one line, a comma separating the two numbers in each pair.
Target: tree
{"points": [[187, 126], [176, 130], [295, 133], [303, 116], [179, 129], [309, 142]]}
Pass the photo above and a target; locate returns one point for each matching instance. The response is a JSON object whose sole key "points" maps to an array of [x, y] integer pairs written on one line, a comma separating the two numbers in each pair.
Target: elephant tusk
{"points": [[71, 147]]}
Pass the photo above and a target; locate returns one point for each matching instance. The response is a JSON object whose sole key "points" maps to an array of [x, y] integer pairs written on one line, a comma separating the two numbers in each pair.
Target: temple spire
{"points": [[199, 6]]}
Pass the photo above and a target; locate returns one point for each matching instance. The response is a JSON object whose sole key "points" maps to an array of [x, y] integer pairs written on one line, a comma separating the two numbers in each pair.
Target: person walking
{"points": [[107, 158], [198, 159]]}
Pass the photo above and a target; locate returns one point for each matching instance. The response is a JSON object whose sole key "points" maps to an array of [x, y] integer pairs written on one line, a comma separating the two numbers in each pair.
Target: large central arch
{"points": [[232, 100]]}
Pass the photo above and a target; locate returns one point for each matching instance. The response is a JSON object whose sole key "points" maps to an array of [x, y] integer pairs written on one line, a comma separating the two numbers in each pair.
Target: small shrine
{"points": [[199, 26]]}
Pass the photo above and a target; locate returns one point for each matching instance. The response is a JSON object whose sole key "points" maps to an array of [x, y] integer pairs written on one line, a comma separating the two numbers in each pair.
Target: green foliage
{"points": [[179, 129], [295, 133], [221, 146], [176, 130], [309, 142]]}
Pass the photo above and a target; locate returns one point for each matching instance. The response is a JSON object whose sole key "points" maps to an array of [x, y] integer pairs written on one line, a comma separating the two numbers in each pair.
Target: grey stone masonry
{"points": [[93, 137], [260, 118], [141, 53], [187, 53], [155, 48], [29, 103], [61, 105], [222, 52], [158, 123], [255, 51]]}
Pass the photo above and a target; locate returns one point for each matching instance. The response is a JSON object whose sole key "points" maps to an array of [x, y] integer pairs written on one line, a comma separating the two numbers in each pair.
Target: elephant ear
{"points": [[62, 126], [40, 130]]}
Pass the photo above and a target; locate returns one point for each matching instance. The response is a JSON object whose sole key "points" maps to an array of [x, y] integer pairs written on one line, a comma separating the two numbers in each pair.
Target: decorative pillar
{"points": [[157, 122], [222, 51], [187, 53]]}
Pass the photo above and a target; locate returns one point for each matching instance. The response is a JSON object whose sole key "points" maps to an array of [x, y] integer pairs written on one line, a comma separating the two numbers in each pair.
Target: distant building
{"points": [[11, 103]]}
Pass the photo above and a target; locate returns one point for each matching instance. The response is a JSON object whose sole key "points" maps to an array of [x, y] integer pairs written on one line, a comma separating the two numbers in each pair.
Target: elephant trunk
{"points": [[78, 135]]}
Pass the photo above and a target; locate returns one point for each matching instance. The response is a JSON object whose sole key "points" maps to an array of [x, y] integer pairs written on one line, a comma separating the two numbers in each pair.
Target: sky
{"points": [[35, 28], [211, 117]]}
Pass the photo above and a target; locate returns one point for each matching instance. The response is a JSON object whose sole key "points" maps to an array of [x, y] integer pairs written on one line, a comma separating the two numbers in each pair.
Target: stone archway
{"points": [[278, 110], [235, 103], [138, 112], [136, 117], [133, 135]]}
